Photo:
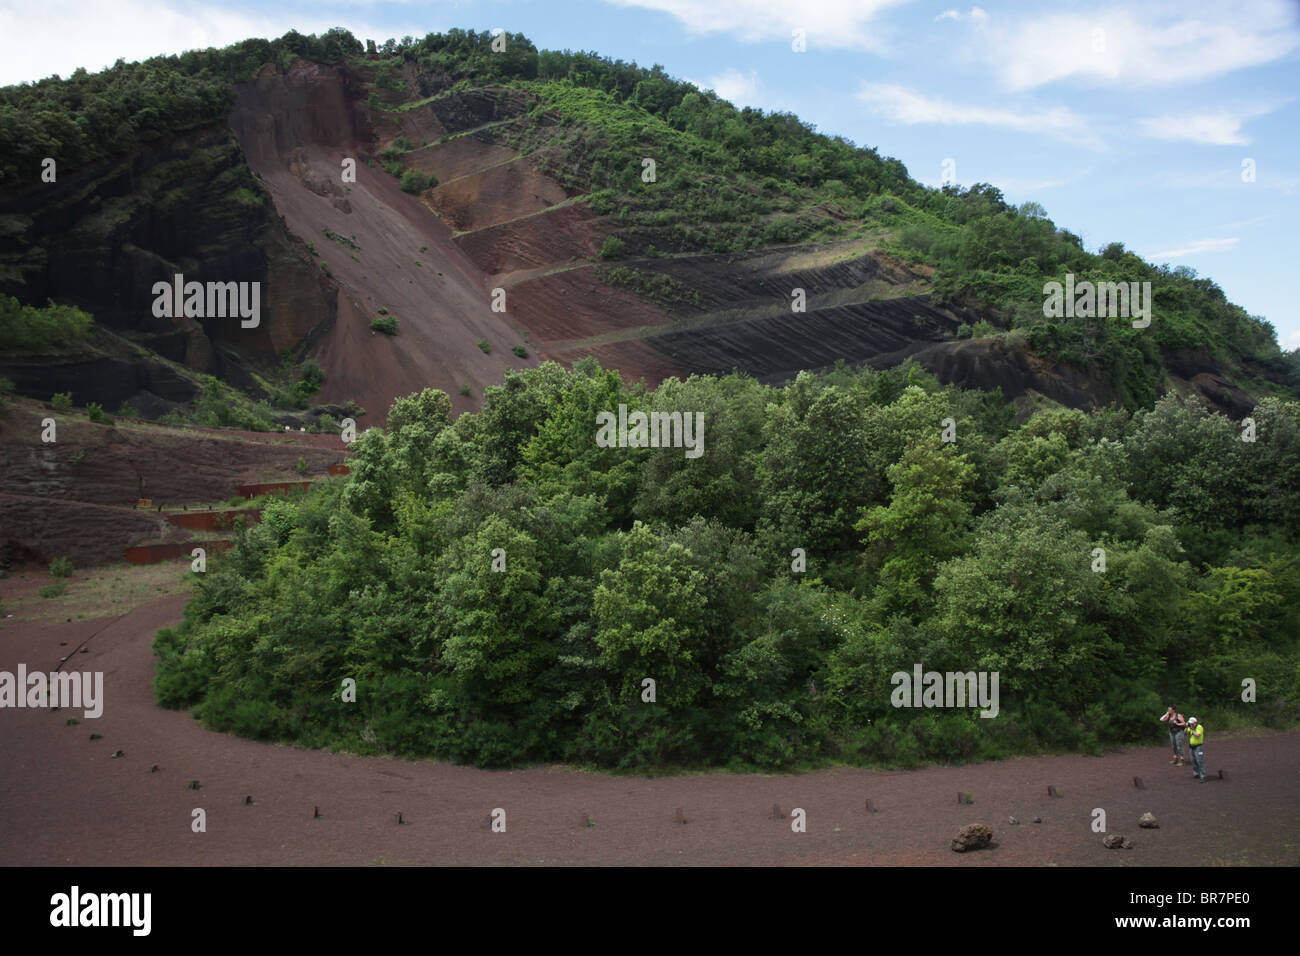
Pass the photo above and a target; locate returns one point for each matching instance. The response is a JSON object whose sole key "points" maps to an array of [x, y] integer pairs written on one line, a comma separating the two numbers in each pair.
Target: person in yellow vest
{"points": [[1195, 740]]}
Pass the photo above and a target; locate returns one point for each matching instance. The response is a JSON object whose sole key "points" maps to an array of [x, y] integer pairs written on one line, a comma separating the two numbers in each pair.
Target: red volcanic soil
{"points": [[296, 129], [76, 497], [493, 195], [495, 221], [65, 800]]}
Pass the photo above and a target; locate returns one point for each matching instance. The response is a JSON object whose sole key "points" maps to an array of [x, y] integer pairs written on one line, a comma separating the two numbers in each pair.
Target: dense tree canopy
{"points": [[501, 587]]}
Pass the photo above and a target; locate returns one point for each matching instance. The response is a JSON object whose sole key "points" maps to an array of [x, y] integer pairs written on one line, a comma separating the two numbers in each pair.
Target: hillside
{"points": [[226, 166]]}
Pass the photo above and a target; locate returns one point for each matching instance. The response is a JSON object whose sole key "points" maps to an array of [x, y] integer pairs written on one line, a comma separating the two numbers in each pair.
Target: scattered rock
{"points": [[974, 836], [1148, 821], [1013, 821], [1117, 842], [1038, 819]]}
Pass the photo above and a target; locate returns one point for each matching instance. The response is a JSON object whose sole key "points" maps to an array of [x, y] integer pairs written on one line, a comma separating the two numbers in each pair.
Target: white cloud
{"points": [[1156, 44], [739, 88], [1195, 247], [1292, 341], [977, 14], [902, 105], [839, 24], [1215, 129], [58, 36]]}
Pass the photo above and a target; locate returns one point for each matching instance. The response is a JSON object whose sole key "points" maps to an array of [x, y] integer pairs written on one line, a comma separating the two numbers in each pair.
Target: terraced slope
{"points": [[506, 250]]}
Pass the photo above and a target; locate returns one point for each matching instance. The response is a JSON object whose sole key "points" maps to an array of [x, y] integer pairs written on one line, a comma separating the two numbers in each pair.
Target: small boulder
{"points": [[1038, 819], [974, 836], [1117, 842], [1148, 821], [1012, 820]]}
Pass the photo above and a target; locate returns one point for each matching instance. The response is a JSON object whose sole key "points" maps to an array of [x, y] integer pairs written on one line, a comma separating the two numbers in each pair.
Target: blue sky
{"points": [[1127, 121]]}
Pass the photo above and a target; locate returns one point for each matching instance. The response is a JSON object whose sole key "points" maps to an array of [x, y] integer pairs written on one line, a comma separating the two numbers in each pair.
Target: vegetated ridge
{"points": [[519, 178]]}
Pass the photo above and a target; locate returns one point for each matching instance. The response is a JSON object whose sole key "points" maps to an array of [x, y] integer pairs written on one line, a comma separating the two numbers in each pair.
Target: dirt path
{"points": [[65, 801]]}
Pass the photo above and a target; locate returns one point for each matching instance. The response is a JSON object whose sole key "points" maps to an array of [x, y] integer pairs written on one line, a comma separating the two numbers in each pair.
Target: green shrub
{"points": [[61, 568], [520, 351], [62, 402], [95, 412], [385, 323], [414, 181], [613, 248], [127, 410], [310, 378], [301, 467], [485, 346], [28, 328], [54, 590], [466, 390]]}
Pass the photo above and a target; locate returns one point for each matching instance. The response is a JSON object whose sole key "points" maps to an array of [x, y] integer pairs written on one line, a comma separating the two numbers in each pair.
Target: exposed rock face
{"points": [[100, 465], [40, 529], [974, 836], [103, 234], [993, 363], [109, 376]]}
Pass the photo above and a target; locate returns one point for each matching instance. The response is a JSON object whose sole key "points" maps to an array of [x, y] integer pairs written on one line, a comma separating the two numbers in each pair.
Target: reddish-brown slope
{"points": [[297, 128]]}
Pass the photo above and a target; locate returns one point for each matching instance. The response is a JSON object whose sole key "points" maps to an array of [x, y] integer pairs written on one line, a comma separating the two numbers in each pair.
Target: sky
{"points": [[1172, 127]]}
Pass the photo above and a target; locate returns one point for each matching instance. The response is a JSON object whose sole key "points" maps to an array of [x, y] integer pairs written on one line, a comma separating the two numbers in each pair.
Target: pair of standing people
{"points": [[1191, 732]]}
